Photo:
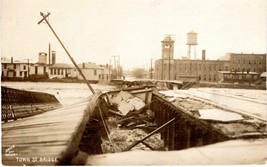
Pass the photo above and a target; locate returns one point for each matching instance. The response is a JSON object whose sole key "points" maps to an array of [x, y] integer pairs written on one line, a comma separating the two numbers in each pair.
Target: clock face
{"points": [[167, 46]]}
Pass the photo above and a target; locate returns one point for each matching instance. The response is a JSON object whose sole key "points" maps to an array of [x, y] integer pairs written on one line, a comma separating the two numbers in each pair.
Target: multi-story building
{"points": [[42, 69], [14, 69], [168, 68], [246, 62]]}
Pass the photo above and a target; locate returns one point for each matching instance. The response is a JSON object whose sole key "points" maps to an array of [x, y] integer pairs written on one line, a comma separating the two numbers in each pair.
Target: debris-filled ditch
{"points": [[140, 120]]}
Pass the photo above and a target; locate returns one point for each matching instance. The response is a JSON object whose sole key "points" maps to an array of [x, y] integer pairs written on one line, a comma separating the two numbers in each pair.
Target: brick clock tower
{"points": [[167, 46]]}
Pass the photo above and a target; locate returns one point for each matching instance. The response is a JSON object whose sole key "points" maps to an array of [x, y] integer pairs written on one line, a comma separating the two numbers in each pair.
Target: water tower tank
{"points": [[42, 58], [191, 38]]}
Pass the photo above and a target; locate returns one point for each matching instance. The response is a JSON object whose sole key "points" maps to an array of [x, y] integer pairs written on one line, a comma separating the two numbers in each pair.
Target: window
{"points": [[58, 71], [4, 66], [15, 66], [25, 73], [20, 73], [95, 72], [24, 67], [36, 70], [248, 61], [62, 72], [51, 71]]}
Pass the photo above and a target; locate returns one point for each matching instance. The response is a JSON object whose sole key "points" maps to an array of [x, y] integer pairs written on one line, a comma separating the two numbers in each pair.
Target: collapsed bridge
{"points": [[81, 129]]}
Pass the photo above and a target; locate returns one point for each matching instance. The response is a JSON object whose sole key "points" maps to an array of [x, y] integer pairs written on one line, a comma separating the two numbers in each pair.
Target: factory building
{"points": [[168, 68]]}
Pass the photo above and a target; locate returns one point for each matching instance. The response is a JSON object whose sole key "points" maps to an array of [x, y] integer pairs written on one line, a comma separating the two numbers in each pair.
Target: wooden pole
{"points": [[150, 134], [77, 67]]}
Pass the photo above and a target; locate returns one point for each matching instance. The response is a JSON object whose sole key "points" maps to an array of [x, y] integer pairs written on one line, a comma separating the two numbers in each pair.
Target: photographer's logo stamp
{"points": [[9, 152]]}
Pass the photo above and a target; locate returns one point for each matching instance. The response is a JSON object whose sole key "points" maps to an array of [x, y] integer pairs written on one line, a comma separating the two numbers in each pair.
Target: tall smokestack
{"points": [[49, 51], [53, 57], [203, 54], [11, 59]]}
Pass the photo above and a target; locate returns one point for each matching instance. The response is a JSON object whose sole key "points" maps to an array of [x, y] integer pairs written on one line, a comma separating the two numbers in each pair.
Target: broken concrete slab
{"points": [[219, 115], [136, 102], [125, 107]]}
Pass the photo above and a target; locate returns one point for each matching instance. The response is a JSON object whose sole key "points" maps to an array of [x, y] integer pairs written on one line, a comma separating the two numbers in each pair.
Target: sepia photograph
{"points": [[133, 82]]}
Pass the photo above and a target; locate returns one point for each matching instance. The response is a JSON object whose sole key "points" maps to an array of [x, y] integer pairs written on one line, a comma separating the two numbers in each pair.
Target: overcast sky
{"points": [[96, 30]]}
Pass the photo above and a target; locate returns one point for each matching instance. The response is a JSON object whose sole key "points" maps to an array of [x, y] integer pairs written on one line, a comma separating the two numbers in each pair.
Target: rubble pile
{"points": [[131, 114], [126, 102], [120, 139], [132, 110]]}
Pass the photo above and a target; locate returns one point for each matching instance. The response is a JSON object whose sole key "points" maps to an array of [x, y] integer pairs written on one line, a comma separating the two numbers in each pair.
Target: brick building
{"points": [[246, 62], [168, 68]]}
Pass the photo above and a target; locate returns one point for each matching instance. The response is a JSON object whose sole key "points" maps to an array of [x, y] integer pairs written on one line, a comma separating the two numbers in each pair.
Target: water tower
{"points": [[191, 42], [42, 58]]}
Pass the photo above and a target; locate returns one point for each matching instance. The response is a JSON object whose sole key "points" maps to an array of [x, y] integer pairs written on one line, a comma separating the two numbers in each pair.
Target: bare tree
{"points": [[138, 72]]}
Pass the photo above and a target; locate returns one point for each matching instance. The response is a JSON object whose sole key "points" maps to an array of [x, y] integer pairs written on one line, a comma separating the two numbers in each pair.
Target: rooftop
{"points": [[61, 65]]}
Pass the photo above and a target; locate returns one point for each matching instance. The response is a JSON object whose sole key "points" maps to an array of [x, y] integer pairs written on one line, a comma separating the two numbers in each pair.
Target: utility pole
{"points": [[109, 75], [151, 68], [77, 67], [169, 71], [115, 67], [49, 52], [169, 57], [119, 68]]}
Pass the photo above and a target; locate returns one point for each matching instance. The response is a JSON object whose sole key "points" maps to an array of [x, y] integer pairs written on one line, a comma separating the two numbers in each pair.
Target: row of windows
{"points": [[208, 77], [21, 73], [14, 66], [239, 61], [246, 69], [200, 67], [60, 72], [56, 71], [103, 77]]}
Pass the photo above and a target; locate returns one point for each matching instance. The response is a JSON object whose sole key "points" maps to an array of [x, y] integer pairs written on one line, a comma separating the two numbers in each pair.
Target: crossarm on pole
{"points": [[44, 17]]}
